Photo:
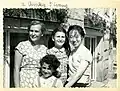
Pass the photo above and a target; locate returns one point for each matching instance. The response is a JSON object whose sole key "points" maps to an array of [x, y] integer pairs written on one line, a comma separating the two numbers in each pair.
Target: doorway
{"points": [[90, 42]]}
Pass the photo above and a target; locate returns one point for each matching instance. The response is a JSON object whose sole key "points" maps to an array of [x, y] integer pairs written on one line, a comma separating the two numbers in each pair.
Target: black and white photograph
{"points": [[59, 48]]}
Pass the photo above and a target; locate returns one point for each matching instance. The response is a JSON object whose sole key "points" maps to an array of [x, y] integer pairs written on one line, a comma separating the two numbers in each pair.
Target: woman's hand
{"points": [[59, 74], [82, 68]]}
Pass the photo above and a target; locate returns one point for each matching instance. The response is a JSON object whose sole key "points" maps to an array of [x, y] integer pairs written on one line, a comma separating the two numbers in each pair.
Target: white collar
{"points": [[58, 50]]}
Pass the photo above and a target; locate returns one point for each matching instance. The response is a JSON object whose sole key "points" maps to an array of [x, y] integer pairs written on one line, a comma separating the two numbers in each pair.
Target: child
{"points": [[58, 45], [48, 74]]}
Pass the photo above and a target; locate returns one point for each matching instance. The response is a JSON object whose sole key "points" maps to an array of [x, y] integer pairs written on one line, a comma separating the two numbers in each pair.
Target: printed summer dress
{"points": [[63, 59], [30, 63]]}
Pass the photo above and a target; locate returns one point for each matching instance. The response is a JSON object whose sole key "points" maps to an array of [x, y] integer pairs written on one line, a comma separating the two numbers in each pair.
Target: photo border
{"points": [[71, 4]]}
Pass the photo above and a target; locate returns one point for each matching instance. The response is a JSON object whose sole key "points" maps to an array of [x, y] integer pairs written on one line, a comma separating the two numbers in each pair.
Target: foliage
{"points": [[56, 15], [95, 20]]}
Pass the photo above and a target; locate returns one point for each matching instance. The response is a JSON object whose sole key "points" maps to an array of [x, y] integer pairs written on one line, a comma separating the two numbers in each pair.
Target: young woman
{"points": [[48, 73], [79, 60], [27, 56], [59, 46]]}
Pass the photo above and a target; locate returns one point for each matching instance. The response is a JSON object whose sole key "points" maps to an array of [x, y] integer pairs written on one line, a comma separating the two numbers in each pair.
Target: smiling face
{"points": [[46, 70], [35, 32], [59, 39], [75, 38]]}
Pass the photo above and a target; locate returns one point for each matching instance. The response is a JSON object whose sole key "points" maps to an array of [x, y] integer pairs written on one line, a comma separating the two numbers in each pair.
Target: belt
{"points": [[30, 67], [80, 85]]}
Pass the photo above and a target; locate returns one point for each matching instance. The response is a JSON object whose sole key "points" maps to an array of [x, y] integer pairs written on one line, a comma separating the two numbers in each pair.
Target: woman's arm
{"points": [[18, 58], [82, 67]]}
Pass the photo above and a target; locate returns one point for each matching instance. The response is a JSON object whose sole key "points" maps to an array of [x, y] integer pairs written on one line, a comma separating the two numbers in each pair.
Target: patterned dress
{"points": [[30, 63], [63, 59]]}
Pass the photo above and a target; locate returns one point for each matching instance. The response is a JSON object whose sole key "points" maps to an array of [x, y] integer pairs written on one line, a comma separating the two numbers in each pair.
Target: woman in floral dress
{"points": [[58, 45], [27, 56]]}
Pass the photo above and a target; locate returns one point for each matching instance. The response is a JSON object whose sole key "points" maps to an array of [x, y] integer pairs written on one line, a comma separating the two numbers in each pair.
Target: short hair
{"points": [[36, 22], [51, 60], [77, 27]]}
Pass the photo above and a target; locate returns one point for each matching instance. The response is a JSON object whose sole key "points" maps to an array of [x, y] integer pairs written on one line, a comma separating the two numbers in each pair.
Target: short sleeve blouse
{"points": [[30, 55]]}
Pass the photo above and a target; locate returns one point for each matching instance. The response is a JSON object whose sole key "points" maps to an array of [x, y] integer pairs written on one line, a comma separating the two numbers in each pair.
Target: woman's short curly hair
{"points": [[36, 22]]}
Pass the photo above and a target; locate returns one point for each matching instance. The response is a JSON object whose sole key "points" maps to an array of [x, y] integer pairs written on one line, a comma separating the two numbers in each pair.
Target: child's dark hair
{"points": [[52, 61], [77, 27], [65, 45]]}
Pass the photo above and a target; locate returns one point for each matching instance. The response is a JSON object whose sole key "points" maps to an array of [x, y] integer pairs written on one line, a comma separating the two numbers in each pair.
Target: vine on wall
{"points": [[56, 15], [94, 20]]}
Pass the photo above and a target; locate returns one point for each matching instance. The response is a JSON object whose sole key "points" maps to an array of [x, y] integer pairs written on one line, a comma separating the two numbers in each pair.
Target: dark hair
{"points": [[36, 22], [65, 45], [52, 61], [77, 27]]}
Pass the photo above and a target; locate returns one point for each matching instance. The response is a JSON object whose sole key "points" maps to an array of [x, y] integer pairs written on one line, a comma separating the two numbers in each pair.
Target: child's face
{"points": [[46, 70], [59, 39], [75, 38]]}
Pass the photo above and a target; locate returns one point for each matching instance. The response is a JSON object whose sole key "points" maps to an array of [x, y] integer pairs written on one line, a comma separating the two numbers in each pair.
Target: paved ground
{"points": [[111, 83]]}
